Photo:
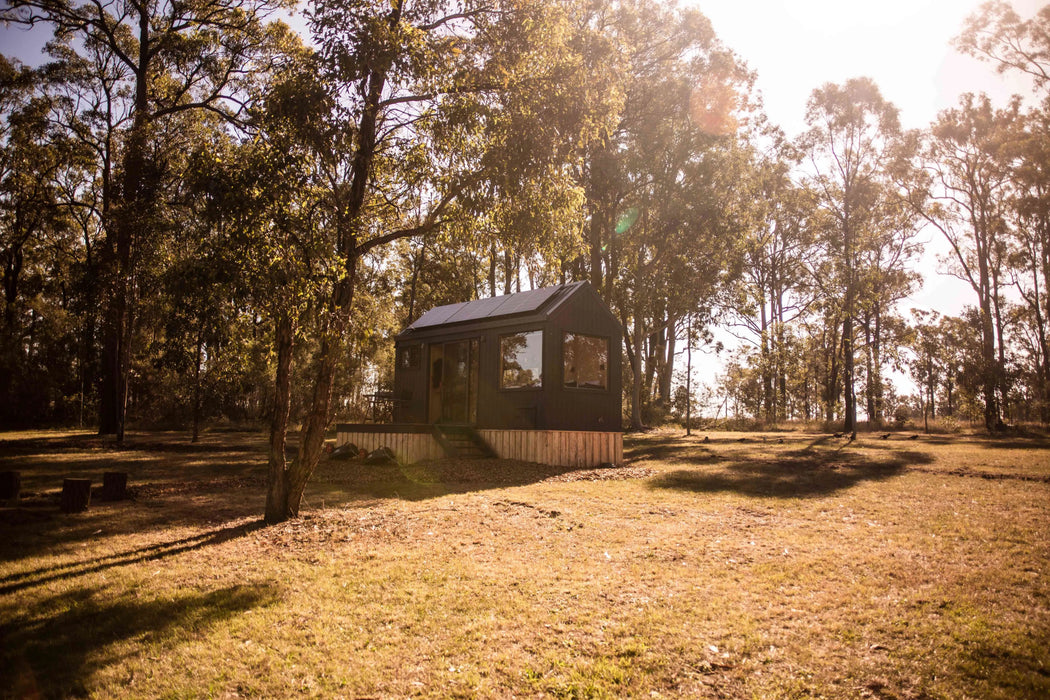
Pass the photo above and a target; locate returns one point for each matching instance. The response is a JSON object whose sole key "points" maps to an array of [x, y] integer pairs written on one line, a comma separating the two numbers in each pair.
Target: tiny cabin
{"points": [[534, 375]]}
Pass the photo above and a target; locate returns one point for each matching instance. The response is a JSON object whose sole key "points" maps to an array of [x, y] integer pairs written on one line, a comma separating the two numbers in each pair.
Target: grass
{"points": [[755, 569]]}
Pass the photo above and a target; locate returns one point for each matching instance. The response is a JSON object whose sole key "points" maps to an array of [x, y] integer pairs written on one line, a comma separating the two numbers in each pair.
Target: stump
{"points": [[10, 485], [114, 486], [76, 495]]}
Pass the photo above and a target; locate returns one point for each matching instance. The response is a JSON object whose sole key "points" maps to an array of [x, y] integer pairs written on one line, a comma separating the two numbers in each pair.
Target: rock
{"points": [[382, 455], [346, 451]]}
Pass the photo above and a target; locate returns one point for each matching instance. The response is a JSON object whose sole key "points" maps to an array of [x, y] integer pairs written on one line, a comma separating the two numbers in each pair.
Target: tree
{"points": [[1030, 254], [35, 239], [417, 95], [997, 33], [170, 58], [773, 290], [849, 144], [966, 184]]}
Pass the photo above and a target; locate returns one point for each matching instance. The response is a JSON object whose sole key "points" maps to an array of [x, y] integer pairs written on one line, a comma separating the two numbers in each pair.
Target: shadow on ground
{"points": [[816, 469], [53, 648], [343, 481], [13, 582]]}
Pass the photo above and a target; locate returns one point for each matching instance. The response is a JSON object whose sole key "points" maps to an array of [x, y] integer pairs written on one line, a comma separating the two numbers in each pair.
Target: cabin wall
{"points": [[552, 407]]}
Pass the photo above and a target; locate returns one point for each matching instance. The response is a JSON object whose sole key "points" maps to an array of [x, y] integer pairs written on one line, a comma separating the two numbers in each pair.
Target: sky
{"points": [[903, 45], [796, 46]]}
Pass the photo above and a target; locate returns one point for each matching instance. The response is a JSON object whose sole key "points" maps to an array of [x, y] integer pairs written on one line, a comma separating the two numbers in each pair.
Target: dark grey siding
{"points": [[553, 407]]}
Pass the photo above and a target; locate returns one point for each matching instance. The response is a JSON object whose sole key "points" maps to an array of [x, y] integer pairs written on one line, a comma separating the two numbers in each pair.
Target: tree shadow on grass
{"points": [[11, 583], [803, 473], [340, 482], [53, 648], [672, 450]]}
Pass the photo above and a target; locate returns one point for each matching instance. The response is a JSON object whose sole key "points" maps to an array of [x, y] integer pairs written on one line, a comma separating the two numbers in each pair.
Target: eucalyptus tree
{"points": [[429, 103], [773, 290], [35, 232], [996, 33], [1030, 243], [658, 176], [967, 185], [172, 58], [850, 145]]}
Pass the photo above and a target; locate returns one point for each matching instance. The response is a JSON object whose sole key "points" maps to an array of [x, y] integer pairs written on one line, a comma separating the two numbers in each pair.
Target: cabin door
{"points": [[454, 382]]}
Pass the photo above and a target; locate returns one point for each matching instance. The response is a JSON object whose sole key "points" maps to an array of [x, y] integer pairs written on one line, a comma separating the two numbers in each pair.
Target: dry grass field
{"points": [[786, 565]]}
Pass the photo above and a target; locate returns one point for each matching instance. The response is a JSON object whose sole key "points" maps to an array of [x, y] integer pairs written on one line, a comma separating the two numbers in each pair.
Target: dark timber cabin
{"points": [[534, 376]]}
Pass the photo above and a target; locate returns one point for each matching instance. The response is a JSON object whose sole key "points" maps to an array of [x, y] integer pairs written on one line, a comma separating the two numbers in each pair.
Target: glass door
{"points": [[454, 382]]}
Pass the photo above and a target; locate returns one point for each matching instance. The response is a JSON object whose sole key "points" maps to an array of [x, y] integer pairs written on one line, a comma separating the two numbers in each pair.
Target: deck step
{"points": [[462, 442]]}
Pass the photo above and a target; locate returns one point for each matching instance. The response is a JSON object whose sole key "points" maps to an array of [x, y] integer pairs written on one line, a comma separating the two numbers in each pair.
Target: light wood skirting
{"points": [[562, 448]]}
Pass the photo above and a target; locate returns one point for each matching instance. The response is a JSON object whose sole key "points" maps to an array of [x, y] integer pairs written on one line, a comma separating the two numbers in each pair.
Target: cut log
{"points": [[76, 495], [114, 486], [10, 486]]}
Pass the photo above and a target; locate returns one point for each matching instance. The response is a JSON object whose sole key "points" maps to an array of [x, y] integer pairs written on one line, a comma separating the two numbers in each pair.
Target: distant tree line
{"points": [[203, 218]]}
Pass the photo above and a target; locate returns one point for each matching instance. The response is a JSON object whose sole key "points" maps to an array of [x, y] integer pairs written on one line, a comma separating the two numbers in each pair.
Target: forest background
{"points": [[204, 218]]}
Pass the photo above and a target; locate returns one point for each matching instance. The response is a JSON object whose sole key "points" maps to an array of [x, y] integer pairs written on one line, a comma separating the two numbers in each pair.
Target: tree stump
{"points": [[10, 486], [76, 495], [114, 486]]}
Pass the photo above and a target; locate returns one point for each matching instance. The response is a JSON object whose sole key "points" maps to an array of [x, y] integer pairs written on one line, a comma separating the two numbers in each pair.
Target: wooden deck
{"points": [[564, 448]]}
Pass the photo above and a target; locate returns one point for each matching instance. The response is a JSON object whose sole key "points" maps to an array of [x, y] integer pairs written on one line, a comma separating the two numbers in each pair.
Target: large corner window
{"points": [[586, 359], [521, 360]]}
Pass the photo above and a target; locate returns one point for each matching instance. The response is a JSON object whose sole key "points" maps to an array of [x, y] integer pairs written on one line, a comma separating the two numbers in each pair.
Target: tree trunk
{"points": [[689, 378], [197, 383], [129, 223], [636, 374], [492, 269], [277, 501], [667, 365], [849, 398]]}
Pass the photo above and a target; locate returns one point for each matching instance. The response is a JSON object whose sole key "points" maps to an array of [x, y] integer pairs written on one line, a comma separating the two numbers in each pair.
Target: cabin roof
{"points": [[533, 302]]}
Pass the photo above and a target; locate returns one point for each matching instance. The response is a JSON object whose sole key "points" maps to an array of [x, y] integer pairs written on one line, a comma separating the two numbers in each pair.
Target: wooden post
{"points": [[76, 495], [10, 486], [114, 486]]}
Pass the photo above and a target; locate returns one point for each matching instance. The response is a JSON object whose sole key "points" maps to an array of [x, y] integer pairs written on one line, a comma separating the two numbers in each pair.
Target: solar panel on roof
{"points": [[481, 308], [438, 315], [506, 305], [527, 301]]}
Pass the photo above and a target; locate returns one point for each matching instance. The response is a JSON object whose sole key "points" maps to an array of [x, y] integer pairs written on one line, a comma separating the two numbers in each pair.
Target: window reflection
{"points": [[586, 361], [521, 360]]}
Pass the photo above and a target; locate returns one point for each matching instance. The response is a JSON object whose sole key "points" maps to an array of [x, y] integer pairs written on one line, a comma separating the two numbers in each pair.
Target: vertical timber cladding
{"points": [[407, 447], [562, 448]]}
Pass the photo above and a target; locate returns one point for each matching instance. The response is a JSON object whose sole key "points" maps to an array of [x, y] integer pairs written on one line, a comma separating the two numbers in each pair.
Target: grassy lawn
{"points": [[785, 565]]}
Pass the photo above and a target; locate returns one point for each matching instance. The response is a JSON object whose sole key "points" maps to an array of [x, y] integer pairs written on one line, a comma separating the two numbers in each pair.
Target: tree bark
{"points": [[636, 374], [277, 502]]}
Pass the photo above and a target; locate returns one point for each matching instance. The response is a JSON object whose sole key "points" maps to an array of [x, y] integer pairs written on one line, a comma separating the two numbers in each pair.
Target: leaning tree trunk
{"points": [[311, 444]]}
